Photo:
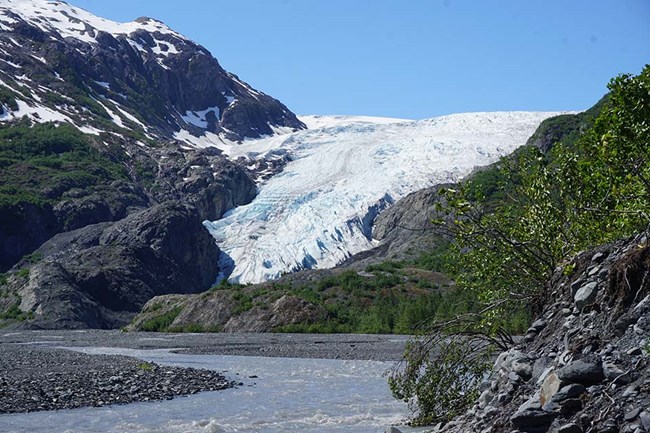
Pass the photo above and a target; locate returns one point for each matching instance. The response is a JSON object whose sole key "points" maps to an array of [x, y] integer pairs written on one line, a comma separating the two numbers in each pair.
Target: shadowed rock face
{"points": [[99, 276], [404, 229]]}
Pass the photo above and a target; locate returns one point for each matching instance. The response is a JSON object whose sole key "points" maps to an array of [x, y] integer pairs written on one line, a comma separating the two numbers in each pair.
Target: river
{"points": [[278, 395]]}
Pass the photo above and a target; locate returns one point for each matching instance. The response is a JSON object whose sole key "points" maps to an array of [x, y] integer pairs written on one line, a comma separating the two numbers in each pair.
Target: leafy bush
{"points": [[161, 323], [592, 188], [14, 313]]}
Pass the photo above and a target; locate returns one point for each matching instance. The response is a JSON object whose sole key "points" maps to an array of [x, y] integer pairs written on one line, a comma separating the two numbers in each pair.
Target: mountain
{"points": [[320, 210], [118, 139], [102, 187], [141, 79]]}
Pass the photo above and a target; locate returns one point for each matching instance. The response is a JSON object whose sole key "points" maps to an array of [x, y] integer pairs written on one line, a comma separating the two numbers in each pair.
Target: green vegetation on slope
{"points": [[591, 188], [389, 297], [39, 162]]}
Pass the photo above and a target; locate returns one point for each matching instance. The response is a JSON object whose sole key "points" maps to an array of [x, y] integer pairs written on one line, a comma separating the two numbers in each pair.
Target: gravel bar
{"points": [[38, 373]]}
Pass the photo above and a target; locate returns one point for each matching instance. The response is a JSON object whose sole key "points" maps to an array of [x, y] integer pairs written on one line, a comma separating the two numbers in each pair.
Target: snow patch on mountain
{"points": [[189, 96], [75, 22], [199, 118], [319, 210]]}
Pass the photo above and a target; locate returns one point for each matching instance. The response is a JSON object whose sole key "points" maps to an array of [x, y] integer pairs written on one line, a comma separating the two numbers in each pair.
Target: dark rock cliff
{"points": [[99, 276]]}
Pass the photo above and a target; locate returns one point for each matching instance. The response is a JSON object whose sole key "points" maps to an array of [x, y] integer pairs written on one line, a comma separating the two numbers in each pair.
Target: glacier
{"points": [[343, 171]]}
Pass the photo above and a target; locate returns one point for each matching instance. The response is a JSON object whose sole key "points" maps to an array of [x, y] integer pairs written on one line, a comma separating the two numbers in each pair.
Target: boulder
{"points": [[523, 367], [549, 388], [532, 420], [586, 373], [585, 295], [572, 390], [569, 428]]}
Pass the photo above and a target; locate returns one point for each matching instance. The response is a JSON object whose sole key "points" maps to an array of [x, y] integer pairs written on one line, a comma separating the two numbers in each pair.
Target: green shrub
{"points": [[161, 323], [591, 188]]}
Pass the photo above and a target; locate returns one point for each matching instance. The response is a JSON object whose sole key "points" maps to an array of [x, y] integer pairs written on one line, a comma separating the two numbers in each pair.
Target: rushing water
{"points": [[288, 395]]}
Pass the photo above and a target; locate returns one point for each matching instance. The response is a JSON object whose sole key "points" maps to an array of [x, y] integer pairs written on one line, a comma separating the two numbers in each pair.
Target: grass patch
{"points": [[161, 323], [146, 366]]}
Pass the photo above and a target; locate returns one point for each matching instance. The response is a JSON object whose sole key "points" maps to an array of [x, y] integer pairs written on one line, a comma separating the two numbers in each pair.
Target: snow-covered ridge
{"points": [[319, 210], [69, 21], [143, 57], [318, 121]]}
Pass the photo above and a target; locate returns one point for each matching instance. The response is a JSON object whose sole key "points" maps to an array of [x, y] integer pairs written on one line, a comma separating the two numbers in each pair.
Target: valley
{"points": [[180, 252]]}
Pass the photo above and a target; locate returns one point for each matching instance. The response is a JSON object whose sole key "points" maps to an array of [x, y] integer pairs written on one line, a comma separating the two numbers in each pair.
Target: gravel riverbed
{"points": [[40, 371]]}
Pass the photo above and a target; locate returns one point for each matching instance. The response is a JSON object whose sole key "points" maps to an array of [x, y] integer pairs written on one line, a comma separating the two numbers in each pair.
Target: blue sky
{"points": [[413, 58]]}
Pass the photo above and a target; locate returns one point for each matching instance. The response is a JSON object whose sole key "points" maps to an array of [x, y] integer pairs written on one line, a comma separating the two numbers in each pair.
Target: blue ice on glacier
{"points": [[320, 209]]}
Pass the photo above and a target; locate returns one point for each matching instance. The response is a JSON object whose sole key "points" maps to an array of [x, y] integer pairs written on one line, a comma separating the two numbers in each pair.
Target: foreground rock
{"points": [[99, 276], [35, 378], [585, 367]]}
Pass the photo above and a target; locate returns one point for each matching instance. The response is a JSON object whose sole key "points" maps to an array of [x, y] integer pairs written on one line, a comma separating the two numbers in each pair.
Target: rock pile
{"points": [[583, 366]]}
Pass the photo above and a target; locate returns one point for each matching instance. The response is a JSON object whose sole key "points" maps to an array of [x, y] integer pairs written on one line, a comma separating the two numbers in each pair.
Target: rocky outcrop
{"points": [[288, 310], [565, 128], [99, 276], [584, 365], [203, 178], [222, 311], [405, 229]]}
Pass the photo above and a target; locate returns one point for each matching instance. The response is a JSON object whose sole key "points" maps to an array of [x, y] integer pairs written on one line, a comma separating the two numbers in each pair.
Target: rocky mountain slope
{"points": [[98, 123], [62, 63], [584, 365]]}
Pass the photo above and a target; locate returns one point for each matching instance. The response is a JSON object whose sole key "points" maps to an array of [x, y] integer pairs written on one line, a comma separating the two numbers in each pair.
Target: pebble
{"points": [[593, 271], [634, 351], [631, 415], [598, 257], [645, 420]]}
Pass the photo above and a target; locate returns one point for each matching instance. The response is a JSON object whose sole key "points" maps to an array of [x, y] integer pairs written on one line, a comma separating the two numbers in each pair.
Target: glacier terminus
{"points": [[342, 172]]}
